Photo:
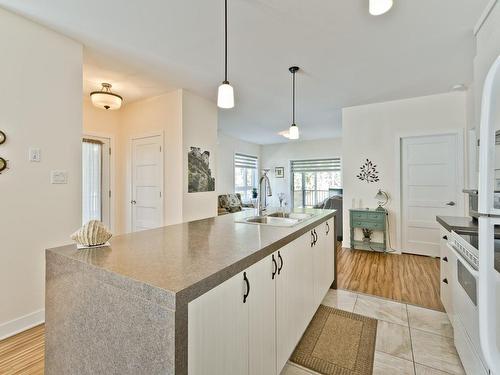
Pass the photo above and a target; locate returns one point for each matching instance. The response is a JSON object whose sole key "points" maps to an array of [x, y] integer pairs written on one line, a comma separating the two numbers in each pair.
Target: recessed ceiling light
{"points": [[379, 7]]}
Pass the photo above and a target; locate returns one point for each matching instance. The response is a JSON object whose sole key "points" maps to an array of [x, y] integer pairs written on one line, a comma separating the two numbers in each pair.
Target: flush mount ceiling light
{"points": [[294, 129], [379, 7], [225, 97], [105, 98]]}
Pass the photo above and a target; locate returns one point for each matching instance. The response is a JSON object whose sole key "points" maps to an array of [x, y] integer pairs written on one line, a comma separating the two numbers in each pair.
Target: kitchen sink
{"points": [[291, 215], [278, 219]]}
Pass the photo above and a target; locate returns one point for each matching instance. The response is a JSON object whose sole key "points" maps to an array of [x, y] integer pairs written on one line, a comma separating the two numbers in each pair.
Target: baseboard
{"points": [[21, 324]]}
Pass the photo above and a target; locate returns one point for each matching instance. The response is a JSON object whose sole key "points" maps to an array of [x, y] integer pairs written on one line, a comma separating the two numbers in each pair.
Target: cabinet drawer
{"points": [[368, 224], [370, 216]]}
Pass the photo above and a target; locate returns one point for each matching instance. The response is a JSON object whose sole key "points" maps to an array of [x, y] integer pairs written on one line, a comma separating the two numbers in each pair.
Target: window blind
{"points": [[319, 165], [245, 161]]}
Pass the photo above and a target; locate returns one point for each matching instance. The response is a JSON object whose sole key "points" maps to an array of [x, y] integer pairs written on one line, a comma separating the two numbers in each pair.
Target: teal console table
{"points": [[369, 219]]}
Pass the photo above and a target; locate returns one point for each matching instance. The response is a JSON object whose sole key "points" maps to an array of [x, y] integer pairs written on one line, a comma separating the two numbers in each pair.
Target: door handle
{"points": [[327, 228], [245, 296], [275, 267], [281, 263], [133, 202], [451, 203]]}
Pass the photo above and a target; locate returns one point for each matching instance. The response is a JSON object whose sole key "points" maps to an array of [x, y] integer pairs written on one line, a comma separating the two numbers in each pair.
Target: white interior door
{"points": [[431, 182], [147, 183]]}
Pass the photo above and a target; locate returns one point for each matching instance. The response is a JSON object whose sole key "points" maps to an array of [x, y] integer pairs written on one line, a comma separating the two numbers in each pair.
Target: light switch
{"points": [[34, 155], [58, 177]]}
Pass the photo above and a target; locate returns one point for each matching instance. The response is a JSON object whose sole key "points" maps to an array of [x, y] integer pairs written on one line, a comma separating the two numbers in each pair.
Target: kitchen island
{"points": [[204, 288]]}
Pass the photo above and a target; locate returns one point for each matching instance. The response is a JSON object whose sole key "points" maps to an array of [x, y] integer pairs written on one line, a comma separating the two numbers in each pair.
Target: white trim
{"points": [[112, 174], [160, 134], [21, 324], [484, 16], [398, 196]]}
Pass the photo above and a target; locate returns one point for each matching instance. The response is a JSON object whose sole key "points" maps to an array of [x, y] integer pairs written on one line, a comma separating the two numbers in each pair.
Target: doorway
{"points": [[147, 183], [96, 181], [431, 184]]}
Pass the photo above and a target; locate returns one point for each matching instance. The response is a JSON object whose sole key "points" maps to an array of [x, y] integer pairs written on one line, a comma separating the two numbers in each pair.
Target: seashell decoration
{"points": [[94, 233]]}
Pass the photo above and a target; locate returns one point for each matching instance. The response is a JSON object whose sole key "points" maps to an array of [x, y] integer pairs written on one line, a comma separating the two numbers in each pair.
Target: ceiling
{"points": [[347, 57]]}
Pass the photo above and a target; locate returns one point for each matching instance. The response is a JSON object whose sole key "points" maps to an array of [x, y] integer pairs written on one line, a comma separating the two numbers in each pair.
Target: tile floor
{"points": [[411, 340]]}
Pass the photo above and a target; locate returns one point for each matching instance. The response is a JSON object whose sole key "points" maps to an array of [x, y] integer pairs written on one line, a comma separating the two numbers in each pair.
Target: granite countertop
{"points": [[458, 224], [177, 263]]}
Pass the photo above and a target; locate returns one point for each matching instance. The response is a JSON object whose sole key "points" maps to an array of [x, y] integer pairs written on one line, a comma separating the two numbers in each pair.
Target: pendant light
{"points": [[379, 7], [294, 129], [105, 98], [225, 97]]}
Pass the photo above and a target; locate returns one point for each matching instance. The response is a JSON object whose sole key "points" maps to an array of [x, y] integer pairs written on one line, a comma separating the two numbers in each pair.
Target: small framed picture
{"points": [[279, 172]]}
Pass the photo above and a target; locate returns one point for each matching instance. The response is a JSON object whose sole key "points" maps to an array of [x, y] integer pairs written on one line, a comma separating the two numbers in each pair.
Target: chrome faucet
{"points": [[264, 192]]}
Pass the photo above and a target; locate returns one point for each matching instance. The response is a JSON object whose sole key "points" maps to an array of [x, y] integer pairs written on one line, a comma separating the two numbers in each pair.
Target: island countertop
{"points": [[177, 263]]}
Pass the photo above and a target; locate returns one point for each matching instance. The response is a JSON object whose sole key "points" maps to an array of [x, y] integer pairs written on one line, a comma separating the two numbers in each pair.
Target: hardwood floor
{"points": [[406, 278], [23, 353]]}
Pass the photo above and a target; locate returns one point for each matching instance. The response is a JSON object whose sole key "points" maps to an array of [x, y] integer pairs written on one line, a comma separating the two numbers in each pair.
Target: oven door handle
{"points": [[462, 260]]}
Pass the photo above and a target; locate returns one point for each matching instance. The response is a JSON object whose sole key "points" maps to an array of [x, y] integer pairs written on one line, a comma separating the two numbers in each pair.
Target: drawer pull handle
{"points": [[445, 281], [281, 263], [245, 278], [444, 238], [275, 267], [445, 259]]}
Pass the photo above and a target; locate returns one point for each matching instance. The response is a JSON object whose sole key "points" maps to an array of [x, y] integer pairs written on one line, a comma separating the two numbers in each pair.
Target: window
{"points": [[245, 175], [314, 180], [91, 180]]}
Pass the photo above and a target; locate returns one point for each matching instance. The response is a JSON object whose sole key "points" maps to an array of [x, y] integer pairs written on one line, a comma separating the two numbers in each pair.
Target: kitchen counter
{"points": [[458, 224], [151, 275]]}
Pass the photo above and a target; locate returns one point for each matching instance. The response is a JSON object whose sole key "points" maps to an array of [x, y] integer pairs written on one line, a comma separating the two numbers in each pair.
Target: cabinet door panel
{"points": [[262, 318], [218, 331], [285, 309]]}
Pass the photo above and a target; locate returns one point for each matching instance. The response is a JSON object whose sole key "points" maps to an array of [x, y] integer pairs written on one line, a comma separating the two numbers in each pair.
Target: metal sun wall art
{"points": [[368, 172]]}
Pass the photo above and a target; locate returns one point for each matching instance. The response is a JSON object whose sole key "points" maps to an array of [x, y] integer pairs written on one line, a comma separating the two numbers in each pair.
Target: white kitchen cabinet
{"points": [[218, 330], [446, 274], [289, 292], [262, 322], [323, 259], [227, 336]]}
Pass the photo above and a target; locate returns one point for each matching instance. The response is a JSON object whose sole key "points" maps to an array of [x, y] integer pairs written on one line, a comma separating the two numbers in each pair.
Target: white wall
{"points": [[40, 106], [158, 115], [372, 131], [280, 155], [226, 148], [199, 129]]}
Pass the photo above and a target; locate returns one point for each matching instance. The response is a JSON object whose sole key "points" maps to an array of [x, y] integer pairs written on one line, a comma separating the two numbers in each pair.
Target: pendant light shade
{"points": [[379, 7], [225, 97], [294, 132], [294, 129], [105, 98]]}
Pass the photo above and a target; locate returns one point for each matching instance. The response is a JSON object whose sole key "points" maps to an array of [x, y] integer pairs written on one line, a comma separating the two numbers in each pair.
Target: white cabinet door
{"points": [[285, 306], [218, 330], [294, 296], [446, 276], [330, 253], [262, 318], [318, 250]]}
